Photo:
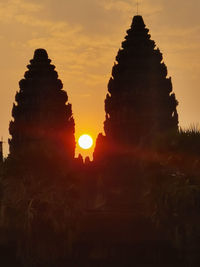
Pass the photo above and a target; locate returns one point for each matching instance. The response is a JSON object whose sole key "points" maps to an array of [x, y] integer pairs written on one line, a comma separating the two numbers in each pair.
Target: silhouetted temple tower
{"points": [[140, 105], [43, 122], [1, 151]]}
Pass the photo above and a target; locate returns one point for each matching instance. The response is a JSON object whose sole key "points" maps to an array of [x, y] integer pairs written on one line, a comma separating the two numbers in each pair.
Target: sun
{"points": [[85, 141]]}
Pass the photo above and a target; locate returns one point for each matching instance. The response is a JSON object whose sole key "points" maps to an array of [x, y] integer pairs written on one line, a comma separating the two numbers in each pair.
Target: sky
{"points": [[82, 38]]}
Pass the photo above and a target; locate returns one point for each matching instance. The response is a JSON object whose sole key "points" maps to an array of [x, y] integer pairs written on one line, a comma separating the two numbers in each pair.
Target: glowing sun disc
{"points": [[85, 141]]}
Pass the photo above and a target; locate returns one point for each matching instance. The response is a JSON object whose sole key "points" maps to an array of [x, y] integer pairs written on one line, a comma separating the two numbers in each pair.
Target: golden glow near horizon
{"points": [[85, 141]]}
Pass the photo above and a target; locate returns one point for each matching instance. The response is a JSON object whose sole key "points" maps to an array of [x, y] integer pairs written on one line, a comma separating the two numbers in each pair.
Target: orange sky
{"points": [[82, 38]]}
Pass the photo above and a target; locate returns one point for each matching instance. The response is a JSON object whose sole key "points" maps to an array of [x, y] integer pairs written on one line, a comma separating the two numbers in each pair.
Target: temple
{"points": [[43, 122], [140, 105], [114, 210]]}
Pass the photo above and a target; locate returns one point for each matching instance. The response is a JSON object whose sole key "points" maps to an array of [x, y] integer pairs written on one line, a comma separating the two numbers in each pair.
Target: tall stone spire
{"points": [[140, 105], [42, 121], [1, 151]]}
